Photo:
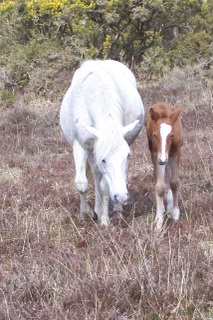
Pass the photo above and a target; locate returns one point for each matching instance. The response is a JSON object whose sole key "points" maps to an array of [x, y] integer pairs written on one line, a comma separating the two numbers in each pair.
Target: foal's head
{"points": [[164, 130]]}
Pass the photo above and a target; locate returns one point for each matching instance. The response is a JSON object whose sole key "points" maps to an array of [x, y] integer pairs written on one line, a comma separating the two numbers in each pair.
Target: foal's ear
{"points": [[154, 114], [175, 115]]}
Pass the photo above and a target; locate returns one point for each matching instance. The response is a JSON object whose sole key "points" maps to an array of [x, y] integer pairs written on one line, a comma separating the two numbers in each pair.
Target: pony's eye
{"points": [[103, 161], [172, 136], [154, 135], [129, 155]]}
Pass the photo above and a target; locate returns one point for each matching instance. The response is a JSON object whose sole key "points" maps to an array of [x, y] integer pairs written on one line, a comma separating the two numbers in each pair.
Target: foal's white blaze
{"points": [[165, 130]]}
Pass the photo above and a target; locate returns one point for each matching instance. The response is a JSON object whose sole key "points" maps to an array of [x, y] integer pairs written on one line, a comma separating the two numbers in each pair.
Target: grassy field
{"points": [[54, 266]]}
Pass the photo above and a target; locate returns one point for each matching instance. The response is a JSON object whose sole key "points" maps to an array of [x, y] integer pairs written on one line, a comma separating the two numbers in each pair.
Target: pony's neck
{"points": [[112, 121]]}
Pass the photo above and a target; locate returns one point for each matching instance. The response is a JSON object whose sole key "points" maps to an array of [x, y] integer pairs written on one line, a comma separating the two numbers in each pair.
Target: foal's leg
{"points": [[81, 182], [175, 184], [160, 190], [169, 196]]}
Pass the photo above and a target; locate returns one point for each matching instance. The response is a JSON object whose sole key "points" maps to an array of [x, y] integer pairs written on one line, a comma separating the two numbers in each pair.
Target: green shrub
{"points": [[130, 31]]}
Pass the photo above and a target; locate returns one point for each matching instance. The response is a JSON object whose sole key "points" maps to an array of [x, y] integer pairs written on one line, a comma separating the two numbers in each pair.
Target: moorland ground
{"points": [[54, 266]]}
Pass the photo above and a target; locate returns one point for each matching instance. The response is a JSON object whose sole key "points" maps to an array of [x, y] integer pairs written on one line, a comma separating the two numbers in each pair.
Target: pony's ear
{"points": [[174, 116], [154, 114], [93, 132], [129, 128]]}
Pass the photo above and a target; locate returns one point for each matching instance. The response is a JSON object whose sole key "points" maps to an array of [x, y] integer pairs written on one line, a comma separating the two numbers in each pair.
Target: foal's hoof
{"points": [[158, 224], [176, 214]]}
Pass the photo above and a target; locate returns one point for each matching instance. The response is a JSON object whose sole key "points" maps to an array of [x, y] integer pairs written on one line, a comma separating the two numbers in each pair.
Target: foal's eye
{"points": [[172, 136], [103, 161]]}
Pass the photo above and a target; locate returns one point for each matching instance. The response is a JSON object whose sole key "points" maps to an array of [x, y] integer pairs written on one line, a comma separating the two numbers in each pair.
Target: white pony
{"points": [[101, 115]]}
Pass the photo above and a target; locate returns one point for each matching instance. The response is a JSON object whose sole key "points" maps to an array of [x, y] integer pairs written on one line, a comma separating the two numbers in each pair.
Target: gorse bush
{"points": [[116, 28], [153, 34]]}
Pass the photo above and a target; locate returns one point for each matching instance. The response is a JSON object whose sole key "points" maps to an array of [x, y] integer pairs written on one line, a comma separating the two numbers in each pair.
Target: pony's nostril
{"points": [[116, 198]]}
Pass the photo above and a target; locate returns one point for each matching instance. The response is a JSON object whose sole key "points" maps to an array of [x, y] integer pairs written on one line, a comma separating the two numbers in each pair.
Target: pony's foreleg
{"points": [[175, 185], [102, 201], [102, 197], [101, 194], [81, 182], [160, 190]]}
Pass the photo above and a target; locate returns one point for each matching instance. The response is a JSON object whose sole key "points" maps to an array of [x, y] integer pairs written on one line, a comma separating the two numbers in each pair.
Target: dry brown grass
{"points": [[54, 266]]}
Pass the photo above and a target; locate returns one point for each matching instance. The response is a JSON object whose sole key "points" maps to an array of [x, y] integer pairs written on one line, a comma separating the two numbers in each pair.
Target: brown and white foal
{"points": [[164, 133]]}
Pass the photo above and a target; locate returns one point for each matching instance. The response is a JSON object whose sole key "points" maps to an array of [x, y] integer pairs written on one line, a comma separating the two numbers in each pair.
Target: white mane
{"points": [[109, 140], [107, 90]]}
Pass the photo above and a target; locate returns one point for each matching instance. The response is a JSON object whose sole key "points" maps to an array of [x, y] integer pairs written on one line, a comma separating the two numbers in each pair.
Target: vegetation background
{"points": [[53, 266]]}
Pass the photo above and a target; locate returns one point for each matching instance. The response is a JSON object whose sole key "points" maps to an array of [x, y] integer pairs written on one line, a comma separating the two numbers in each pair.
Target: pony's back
{"points": [[115, 67], [99, 89]]}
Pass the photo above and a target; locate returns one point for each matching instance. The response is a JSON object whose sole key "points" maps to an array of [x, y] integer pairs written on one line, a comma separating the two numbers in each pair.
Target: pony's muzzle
{"points": [[121, 199]]}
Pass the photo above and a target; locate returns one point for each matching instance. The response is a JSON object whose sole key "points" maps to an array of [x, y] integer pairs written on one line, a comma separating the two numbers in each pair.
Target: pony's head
{"points": [[164, 130], [111, 152]]}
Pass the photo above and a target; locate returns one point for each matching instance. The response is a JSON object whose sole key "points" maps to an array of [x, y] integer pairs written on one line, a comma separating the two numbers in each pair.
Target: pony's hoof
{"points": [[95, 216], [117, 208], [105, 222]]}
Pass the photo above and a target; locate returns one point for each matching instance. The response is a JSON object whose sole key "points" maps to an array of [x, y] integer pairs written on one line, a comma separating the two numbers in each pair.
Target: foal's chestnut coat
{"points": [[164, 133]]}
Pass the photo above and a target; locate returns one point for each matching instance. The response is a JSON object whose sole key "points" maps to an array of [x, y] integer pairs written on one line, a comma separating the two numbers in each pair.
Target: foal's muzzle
{"points": [[162, 162]]}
